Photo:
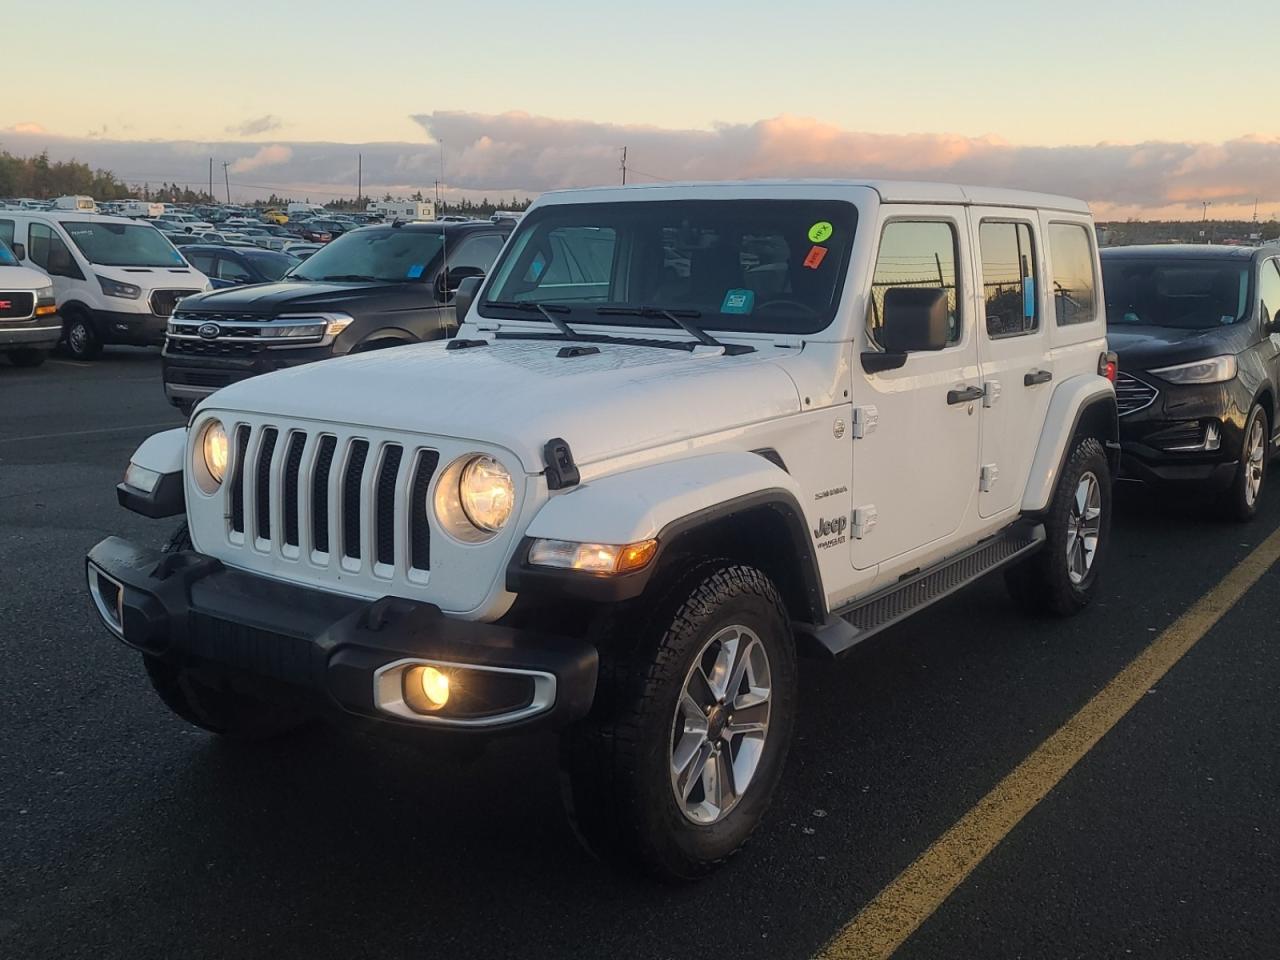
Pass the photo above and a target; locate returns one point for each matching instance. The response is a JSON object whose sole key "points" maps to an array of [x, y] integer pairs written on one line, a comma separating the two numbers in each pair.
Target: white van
{"points": [[77, 203], [142, 208], [116, 281], [295, 210], [29, 324]]}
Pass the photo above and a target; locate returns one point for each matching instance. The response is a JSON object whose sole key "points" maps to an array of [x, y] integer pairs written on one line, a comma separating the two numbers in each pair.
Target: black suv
{"points": [[1197, 330], [374, 287]]}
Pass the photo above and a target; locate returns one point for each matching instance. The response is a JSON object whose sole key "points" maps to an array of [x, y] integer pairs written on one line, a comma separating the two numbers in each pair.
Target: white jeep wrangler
{"points": [[685, 434]]}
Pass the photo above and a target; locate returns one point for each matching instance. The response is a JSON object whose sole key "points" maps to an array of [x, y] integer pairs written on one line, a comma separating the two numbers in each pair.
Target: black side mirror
{"points": [[468, 287], [448, 282], [915, 319], [19, 250]]}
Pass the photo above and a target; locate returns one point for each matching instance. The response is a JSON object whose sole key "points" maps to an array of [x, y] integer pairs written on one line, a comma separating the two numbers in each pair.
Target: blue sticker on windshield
{"points": [[415, 271], [738, 301], [1028, 297], [537, 266]]}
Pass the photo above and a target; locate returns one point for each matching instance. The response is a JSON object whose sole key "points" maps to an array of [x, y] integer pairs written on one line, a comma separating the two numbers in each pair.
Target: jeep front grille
{"points": [[304, 493], [1133, 394]]}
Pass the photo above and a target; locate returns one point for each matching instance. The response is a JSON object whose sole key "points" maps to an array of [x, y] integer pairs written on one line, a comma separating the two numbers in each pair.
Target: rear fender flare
{"points": [[1086, 402]]}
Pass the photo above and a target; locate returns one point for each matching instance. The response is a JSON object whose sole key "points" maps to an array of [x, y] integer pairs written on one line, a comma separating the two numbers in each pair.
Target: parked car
{"points": [[375, 288], [315, 233], [1197, 331], [622, 501], [115, 280], [301, 249], [274, 216], [227, 266], [185, 222], [29, 323]]}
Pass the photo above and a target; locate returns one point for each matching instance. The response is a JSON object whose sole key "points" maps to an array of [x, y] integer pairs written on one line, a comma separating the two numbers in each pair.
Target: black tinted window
{"points": [[1010, 288]]}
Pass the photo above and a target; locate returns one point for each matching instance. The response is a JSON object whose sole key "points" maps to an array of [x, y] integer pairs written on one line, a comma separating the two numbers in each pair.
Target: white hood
{"points": [[518, 394], [22, 278]]}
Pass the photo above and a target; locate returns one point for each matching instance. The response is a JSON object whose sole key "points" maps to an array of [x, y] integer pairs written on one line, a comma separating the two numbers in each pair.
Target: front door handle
{"points": [[1036, 377], [965, 395]]}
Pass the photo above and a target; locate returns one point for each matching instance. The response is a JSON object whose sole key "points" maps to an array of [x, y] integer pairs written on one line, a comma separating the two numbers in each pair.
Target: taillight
{"points": [[1108, 364]]}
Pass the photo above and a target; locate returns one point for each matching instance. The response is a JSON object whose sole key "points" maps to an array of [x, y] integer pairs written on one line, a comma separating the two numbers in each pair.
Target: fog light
{"points": [[1212, 437], [435, 686]]}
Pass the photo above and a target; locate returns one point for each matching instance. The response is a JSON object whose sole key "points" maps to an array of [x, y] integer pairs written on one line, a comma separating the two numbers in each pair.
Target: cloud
{"points": [[26, 127], [271, 156], [501, 154], [249, 128]]}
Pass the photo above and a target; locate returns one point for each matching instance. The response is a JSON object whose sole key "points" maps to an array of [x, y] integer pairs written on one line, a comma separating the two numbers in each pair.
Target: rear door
{"points": [[918, 470], [1017, 370]]}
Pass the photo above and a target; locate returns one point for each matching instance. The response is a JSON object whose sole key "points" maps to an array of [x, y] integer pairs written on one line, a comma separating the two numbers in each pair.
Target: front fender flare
{"points": [[163, 454], [1075, 400], [665, 502]]}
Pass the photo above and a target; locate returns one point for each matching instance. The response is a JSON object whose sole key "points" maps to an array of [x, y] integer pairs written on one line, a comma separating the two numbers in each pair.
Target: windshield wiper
{"points": [[682, 319], [548, 310]]}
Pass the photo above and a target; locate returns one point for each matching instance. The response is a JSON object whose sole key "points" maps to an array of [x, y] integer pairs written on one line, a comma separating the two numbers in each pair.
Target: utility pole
{"points": [[211, 179], [227, 180], [624, 166], [359, 176]]}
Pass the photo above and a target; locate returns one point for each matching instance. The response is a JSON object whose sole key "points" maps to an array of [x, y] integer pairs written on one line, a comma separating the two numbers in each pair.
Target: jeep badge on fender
{"points": [[615, 507]]}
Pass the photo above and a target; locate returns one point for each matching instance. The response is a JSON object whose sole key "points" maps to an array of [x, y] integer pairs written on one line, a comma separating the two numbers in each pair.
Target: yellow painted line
{"points": [[900, 908]]}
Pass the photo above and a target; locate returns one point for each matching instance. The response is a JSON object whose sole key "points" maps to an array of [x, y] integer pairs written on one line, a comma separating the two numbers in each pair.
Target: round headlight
{"points": [[487, 493], [217, 450]]}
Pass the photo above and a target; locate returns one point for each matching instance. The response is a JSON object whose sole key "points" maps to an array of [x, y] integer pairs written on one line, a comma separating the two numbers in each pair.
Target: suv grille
{"points": [[1133, 394], [305, 493], [163, 301], [17, 306]]}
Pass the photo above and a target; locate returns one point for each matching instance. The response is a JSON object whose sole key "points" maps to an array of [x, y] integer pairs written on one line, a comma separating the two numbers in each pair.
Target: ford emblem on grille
{"points": [[209, 331]]}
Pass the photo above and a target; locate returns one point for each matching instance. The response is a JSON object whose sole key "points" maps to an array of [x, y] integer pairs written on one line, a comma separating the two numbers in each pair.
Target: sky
{"points": [[1144, 109]]}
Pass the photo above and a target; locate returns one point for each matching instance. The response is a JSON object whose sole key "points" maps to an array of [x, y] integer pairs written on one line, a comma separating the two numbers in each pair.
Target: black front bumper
{"points": [[1157, 442], [197, 370], [190, 610], [136, 329]]}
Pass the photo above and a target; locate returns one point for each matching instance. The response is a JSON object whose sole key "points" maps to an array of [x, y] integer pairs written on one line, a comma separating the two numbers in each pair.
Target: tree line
{"points": [[40, 178]]}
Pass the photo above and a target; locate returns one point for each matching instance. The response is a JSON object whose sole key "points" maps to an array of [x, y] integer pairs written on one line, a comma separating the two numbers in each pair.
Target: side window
{"points": [[916, 253], [38, 248], [579, 257], [202, 262], [478, 252], [1269, 287], [6, 232], [1074, 294], [228, 269], [1010, 285]]}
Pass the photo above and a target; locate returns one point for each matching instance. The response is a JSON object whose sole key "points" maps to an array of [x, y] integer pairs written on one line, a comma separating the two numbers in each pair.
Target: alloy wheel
{"points": [[1084, 526], [1255, 461]]}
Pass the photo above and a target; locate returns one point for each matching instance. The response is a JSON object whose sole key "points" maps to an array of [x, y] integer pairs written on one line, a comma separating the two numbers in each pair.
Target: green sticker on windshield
{"points": [[821, 231]]}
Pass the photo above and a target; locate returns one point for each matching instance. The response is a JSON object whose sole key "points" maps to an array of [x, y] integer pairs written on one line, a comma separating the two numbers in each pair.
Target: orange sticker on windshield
{"points": [[815, 257]]}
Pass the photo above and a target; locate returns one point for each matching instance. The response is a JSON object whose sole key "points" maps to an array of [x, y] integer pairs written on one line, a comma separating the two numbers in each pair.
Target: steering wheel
{"points": [[786, 302]]}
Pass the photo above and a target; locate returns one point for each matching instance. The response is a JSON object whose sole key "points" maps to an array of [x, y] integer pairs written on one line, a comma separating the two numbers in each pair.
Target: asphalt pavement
{"points": [[126, 833]]}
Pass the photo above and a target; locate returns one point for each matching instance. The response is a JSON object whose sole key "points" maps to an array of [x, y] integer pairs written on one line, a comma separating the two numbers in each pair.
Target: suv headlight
{"points": [[114, 288], [1213, 370], [211, 453], [474, 498]]}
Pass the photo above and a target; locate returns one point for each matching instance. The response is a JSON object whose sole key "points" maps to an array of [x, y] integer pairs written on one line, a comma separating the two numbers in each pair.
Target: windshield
{"points": [[388, 254], [1179, 293], [746, 265], [122, 244], [273, 266], [7, 259]]}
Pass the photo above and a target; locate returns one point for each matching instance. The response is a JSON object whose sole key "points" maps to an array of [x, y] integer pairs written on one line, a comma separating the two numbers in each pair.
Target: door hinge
{"points": [[990, 393], [865, 421], [864, 520], [988, 477]]}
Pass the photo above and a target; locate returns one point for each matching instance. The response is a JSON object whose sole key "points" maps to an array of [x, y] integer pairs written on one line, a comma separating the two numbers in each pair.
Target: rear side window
{"points": [[1269, 286], [1074, 288], [1010, 283], [6, 232], [916, 253]]}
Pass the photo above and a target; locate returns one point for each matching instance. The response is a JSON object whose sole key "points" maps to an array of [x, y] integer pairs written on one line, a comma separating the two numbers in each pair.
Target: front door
{"points": [[916, 472], [1017, 371]]}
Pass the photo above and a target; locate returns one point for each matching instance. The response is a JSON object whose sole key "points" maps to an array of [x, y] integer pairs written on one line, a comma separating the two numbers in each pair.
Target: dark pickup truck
{"points": [[374, 287]]}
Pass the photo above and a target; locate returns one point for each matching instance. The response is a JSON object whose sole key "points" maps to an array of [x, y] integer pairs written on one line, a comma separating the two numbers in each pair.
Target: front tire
{"points": [[1062, 578], [695, 721], [1240, 500], [27, 358], [80, 337]]}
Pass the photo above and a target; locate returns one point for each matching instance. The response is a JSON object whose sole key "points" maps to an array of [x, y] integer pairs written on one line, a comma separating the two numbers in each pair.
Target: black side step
{"points": [[863, 618]]}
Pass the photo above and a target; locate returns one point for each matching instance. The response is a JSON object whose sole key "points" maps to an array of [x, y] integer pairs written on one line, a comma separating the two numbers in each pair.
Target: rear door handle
{"points": [[966, 395], [1036, 377]]}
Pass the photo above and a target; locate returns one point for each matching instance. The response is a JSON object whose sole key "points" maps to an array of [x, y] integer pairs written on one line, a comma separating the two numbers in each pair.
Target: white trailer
{"points": [[142, 208], [80, 203], [404, 209]]}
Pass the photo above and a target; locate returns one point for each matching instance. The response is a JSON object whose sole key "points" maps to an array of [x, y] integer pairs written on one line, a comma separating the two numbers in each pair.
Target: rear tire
{"points": [[80, 337], [27, 358], [1240, 500], [1062, 578], [658, 780], [219, 710]]}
